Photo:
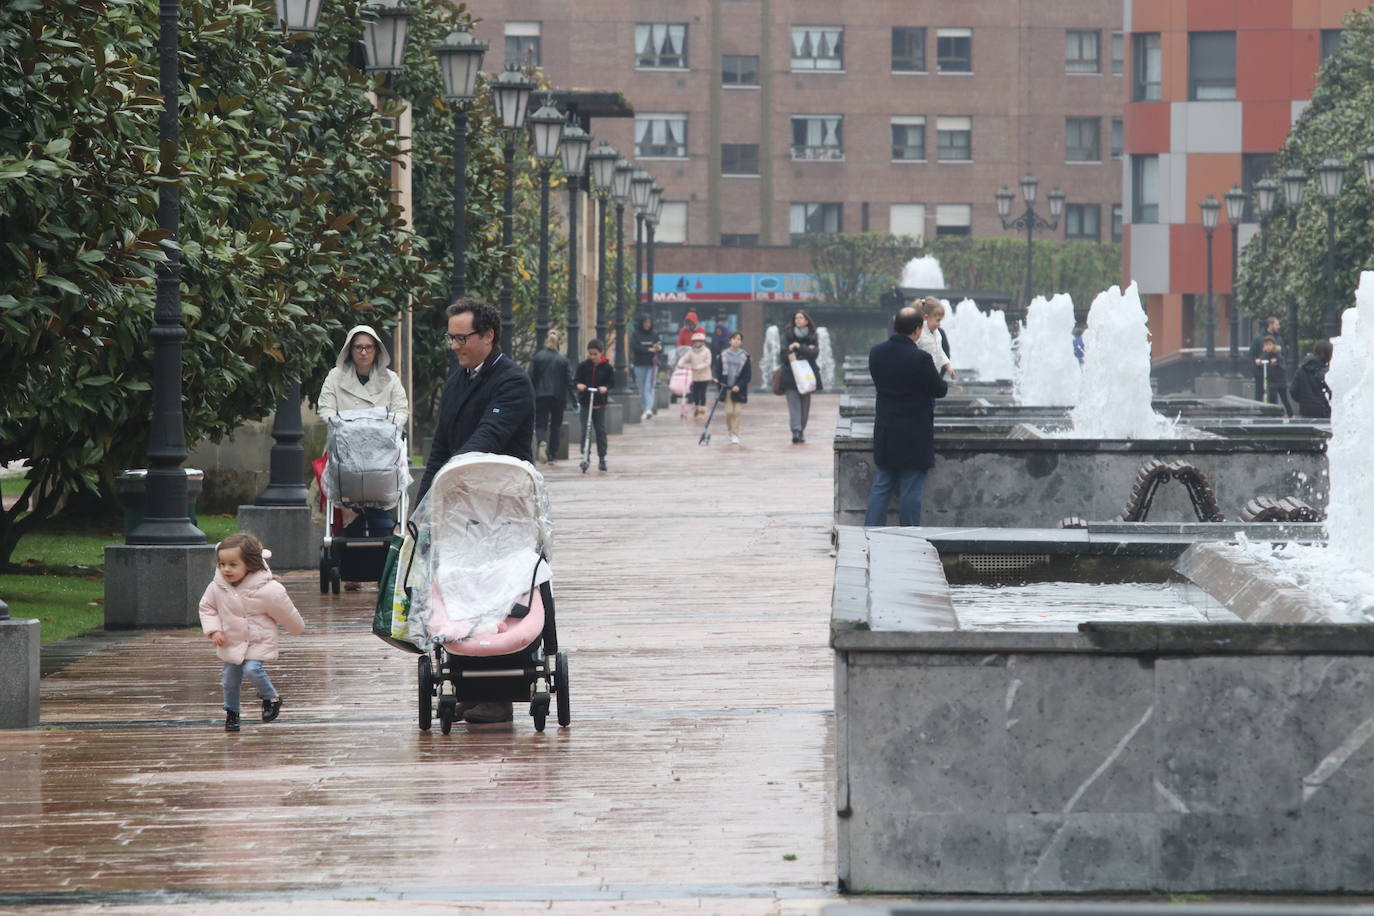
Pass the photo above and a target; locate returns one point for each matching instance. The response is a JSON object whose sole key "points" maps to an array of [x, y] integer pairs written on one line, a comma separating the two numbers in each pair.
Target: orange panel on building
{"points": [[1188, 257], [1146, 128], [1173, 49], [1267, 14], [1210, 173], [1159, 15], [1260, 72], [1213, 15], [1265, 125], [1305, 56]]}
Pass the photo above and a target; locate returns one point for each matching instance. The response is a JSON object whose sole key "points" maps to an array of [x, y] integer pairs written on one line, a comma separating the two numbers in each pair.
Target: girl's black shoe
{"points": [[270, 709], [231, 720]]}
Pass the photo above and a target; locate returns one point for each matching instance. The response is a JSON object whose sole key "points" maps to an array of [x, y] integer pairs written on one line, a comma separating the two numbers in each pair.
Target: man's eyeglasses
{"points": [[460, 339]]}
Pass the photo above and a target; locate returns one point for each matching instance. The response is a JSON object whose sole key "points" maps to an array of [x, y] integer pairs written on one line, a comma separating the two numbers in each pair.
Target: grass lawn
{"points": [[66, 588]]}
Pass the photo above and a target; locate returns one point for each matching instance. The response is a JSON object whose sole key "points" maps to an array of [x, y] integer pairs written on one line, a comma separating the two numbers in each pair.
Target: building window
{"points": [[1253, 168], [1082, 222], [1118, 137], [954, 50], [1145, 189], [953, 219], [739, 158], [1081, 54], [1211, 66], [907, 220], [672, 223], [739, 70], [818, 138], [522, 44], [908, 139], [813, 219], [1118, 54], [908, 49], [954, 139], [1146, 67], [661, 45], [1331, 39], [818, 48], [739, 240], [1082, 140], [1116, 223], [661, 136]]}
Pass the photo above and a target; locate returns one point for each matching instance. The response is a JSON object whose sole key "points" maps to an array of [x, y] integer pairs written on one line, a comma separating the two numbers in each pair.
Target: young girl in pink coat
{"points": [[240, 612]]}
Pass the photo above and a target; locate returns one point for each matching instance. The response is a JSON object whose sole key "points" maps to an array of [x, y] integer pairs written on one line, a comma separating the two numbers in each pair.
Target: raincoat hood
{"points": [[383, 355], [691, 316]]}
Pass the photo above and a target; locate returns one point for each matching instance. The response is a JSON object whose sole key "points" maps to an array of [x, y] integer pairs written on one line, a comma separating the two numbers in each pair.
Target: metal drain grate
{"points": [[993, 563]]}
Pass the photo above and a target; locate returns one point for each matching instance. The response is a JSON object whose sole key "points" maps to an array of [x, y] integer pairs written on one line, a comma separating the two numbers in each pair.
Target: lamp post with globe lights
{"points": [[510, 94], [573, 150], [1332, 175], [603, 160], [1211, 209], [620, 191], [1029, 220], [1235, 212], [460, 60], [547, 126]]}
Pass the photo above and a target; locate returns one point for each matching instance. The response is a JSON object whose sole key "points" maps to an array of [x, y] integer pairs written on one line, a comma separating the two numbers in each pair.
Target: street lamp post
{"points": [[1266, 196], [651, 215], [1294, 186], [547, 125], [620, 190], [1235, 211], [510, 95], [641, 182], [573, 149], [603, 160], [1029, 220], [1210, 208], [1332, 174], [460, 59]]}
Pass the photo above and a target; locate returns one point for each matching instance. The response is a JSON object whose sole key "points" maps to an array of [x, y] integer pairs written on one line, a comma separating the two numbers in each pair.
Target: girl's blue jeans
{"points": [[232, 680], [645, 378]]}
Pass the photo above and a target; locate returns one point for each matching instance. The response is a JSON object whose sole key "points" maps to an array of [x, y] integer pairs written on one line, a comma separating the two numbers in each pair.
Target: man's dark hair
{"points": [[907, 320], [596, 344], [1322, 350], [485, 317], [1272, 319]]}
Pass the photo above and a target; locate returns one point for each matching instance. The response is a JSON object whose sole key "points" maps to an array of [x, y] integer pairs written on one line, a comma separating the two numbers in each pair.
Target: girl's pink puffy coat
{"points": [[248, 616]]}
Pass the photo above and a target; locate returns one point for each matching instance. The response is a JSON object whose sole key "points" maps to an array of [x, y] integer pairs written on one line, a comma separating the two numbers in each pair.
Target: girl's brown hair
{"points": [[932, 306], [250, 548]]}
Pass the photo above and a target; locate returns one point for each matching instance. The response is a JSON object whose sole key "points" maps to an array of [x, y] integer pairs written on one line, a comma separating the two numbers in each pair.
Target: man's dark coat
{"points": [[907, 383]]}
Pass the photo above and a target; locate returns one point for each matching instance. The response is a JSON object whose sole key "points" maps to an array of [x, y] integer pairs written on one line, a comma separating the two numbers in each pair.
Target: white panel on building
{"points": [[1150, 257], [672, 222], [908, 220]]}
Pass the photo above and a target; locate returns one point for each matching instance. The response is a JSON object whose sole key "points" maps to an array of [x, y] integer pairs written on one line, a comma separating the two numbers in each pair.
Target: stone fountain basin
{"points": [[1128, 755], [1004, 408], [982, 478]]}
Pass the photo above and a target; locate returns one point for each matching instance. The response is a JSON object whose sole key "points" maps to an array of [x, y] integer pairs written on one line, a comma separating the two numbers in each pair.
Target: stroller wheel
{"points": [[324, 570], [561, 689], [334, 580], [426, 693], [446, 711], [539, 709]]}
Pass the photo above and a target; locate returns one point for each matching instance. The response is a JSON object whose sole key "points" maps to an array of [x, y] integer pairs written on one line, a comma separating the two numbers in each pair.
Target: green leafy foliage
{"points": [[1285, 266]]}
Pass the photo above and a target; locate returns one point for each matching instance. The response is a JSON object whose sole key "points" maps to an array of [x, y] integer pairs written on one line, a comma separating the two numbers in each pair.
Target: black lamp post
{"points": [[651, 215], [1235, 211], [1211, 209], [1266, 196], [1332, 175], [640, 184], [1029, 220], [547, 126], [460, 59], [510, 93], [620, 191], [386, 25], [573, 150], [603, 160], [640, 297], [165, 521], [1294, 186]]}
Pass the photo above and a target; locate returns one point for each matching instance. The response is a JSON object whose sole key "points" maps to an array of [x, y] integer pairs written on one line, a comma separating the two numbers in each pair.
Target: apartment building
{"points": [[768, 119], [1214, 88]]}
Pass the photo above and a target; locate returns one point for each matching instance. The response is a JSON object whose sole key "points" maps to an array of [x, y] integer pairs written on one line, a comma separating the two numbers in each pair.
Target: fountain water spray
{"points": [[1047, 372], [772, 343], [1116, 396], [979, 341], [826, 360], [1351, 377], [923, 273]]}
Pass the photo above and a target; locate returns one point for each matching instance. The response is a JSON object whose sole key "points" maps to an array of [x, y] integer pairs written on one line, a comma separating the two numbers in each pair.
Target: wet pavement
{"points": [[693, 588]]}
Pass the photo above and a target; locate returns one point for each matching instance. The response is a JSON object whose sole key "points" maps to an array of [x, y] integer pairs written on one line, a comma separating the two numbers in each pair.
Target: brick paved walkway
{"points": [[693, 587]]}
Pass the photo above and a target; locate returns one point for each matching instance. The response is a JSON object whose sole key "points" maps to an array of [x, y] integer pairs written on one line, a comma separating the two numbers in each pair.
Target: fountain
{"points": [[979, 341], [1047, 372], [771, 359], [1116, 400], [826, 361], [923, 273]]}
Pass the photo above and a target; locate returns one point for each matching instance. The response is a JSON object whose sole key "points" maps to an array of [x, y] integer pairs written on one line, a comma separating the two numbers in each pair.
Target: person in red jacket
{"points": [[594, 378], [689, 327]]}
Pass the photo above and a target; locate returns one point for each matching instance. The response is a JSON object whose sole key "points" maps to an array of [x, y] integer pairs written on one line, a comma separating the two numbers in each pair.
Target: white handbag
{"points": [[804, 376]]}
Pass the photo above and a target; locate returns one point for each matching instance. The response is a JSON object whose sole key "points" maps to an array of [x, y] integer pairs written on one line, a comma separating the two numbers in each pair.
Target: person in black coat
{"points": [[552, 378], [488, 401], [645, 348], [800, 341], [904, 429], [1309, 386], [733, 370], [1271, 329], [595, 377]]}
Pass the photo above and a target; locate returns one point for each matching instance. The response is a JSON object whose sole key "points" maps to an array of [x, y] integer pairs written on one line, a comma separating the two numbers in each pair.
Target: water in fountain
{"points": [[826, 361], [923, 273], [979, 341], [772, 343], [1047, 372], [1116, 396]]}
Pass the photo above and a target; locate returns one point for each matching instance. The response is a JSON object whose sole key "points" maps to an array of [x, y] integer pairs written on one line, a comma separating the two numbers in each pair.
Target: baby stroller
{"points": [[480, 602], [366, 468]]}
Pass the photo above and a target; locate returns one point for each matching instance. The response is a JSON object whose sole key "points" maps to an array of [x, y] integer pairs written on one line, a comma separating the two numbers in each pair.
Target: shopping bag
{"points": [[680, 383], [804, 376], [391, 598]]}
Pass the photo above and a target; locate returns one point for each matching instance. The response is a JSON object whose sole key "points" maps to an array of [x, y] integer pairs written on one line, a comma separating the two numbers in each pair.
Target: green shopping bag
{"points": [[388, 620]]}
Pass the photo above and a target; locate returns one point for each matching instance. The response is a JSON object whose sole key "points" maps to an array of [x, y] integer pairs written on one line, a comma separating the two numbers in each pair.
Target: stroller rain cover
{"points": [[367, 459], [482, 539]]}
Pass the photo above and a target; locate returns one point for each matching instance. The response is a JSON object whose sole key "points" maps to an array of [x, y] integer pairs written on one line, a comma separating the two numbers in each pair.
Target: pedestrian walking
{"points": [[800, 342], [733, 371], [698, 359], [595, 377], [690, 325], [720, 336], [933, 339], [552, 378], [240, 612], [1309, 386], [644, 350], [907, 385], [1273, 377]]}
